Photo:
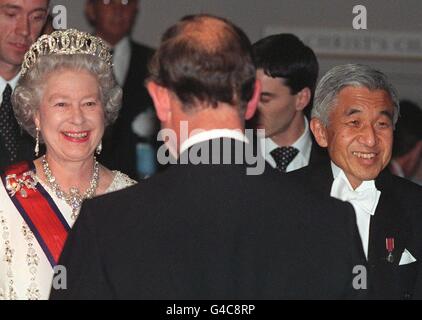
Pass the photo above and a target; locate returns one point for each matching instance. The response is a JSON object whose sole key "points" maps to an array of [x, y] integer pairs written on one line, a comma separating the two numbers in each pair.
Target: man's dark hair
{"points": [[205, 59], [285, 56], [408, 128]]}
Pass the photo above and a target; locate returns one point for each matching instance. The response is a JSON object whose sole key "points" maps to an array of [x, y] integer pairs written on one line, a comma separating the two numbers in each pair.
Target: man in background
{"points": [[407, 147], [113, 21], [21, 22], [288, 71]]}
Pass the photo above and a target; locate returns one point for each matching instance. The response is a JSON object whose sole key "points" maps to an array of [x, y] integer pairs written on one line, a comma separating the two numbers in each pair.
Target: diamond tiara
{"points": [[66, 42]]}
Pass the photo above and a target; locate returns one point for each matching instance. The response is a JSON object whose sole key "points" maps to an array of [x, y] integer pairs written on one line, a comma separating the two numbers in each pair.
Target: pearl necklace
{"points": [[74, 199]]}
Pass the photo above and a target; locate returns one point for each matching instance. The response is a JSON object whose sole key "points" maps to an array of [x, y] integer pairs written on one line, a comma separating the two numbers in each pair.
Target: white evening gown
{"points": [[25, 271]]}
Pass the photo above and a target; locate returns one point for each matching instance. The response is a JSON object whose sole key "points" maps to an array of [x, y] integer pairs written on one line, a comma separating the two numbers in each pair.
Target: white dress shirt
{"points": [[3, 84], [121, 60], [303, 144], [364, 200], [212, 134]]}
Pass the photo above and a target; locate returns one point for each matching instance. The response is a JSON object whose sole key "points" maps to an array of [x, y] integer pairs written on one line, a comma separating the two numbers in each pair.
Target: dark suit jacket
{"points": [[119, 142], [25, 150], [212, 232], [318, 154], [396, 217]]}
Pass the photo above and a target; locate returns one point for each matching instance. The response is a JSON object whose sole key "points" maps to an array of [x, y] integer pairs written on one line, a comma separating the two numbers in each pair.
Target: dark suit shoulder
{"points": [[404, 189], [111, 207], [142, 50], [407, 185], [301, 173], [318, 154], [317, 175]]}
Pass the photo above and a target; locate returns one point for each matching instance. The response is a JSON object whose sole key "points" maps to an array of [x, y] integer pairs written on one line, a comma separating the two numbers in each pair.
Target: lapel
{"points": [[386, 223], [138, 66], [130, 74], [135, 96], [388, 279], [321, 178]]}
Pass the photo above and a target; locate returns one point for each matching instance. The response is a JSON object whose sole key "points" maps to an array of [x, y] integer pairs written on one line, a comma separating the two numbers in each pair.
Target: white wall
{"points": [[254, 16]]}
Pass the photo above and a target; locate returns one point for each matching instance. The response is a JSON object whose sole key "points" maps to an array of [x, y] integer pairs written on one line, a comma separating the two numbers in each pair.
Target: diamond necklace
{"points": [[74, 199]]}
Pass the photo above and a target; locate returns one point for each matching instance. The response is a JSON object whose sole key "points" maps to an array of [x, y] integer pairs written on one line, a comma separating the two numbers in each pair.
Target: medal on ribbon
{"points": [[389, 244]]}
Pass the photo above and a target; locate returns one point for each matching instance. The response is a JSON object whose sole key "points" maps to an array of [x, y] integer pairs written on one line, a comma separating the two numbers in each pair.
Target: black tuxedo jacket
{"points": [[210, 231], [119, 142], [397, 216], [318, 154]]}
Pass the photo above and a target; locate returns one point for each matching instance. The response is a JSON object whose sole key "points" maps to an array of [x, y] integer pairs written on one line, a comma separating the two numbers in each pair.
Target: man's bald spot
{"points": [[209, 33]]}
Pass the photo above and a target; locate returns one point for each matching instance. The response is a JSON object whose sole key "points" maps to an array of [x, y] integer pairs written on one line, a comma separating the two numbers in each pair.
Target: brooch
{"points": [[15, 184]]}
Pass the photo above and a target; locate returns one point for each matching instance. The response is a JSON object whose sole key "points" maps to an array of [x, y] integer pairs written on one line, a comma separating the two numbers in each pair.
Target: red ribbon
{"points": [[389, 244], [41, 214]]}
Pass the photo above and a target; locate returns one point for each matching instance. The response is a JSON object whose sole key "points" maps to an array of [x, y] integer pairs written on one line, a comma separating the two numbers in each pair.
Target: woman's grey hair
{"points": [[355, 75], [27, 96]]}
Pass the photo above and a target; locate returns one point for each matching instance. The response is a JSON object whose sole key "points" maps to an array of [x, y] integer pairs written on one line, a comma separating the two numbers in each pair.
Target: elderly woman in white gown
{"points": [[65, 98]]}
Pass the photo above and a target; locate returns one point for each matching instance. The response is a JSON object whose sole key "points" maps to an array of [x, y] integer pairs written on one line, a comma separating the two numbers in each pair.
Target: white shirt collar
{"points": [[339, 173], [336, 171], [121, 60], [12, 82], [303, 144], [213, 134], [122, 46]]}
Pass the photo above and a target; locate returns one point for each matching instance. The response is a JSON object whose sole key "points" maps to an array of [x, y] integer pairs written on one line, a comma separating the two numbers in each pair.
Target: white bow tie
{"points": [[365, 198]]}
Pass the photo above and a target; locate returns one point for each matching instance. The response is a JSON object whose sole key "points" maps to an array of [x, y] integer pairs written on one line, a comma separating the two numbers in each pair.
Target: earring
{"points": [[37, 143], [99, 148]]}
